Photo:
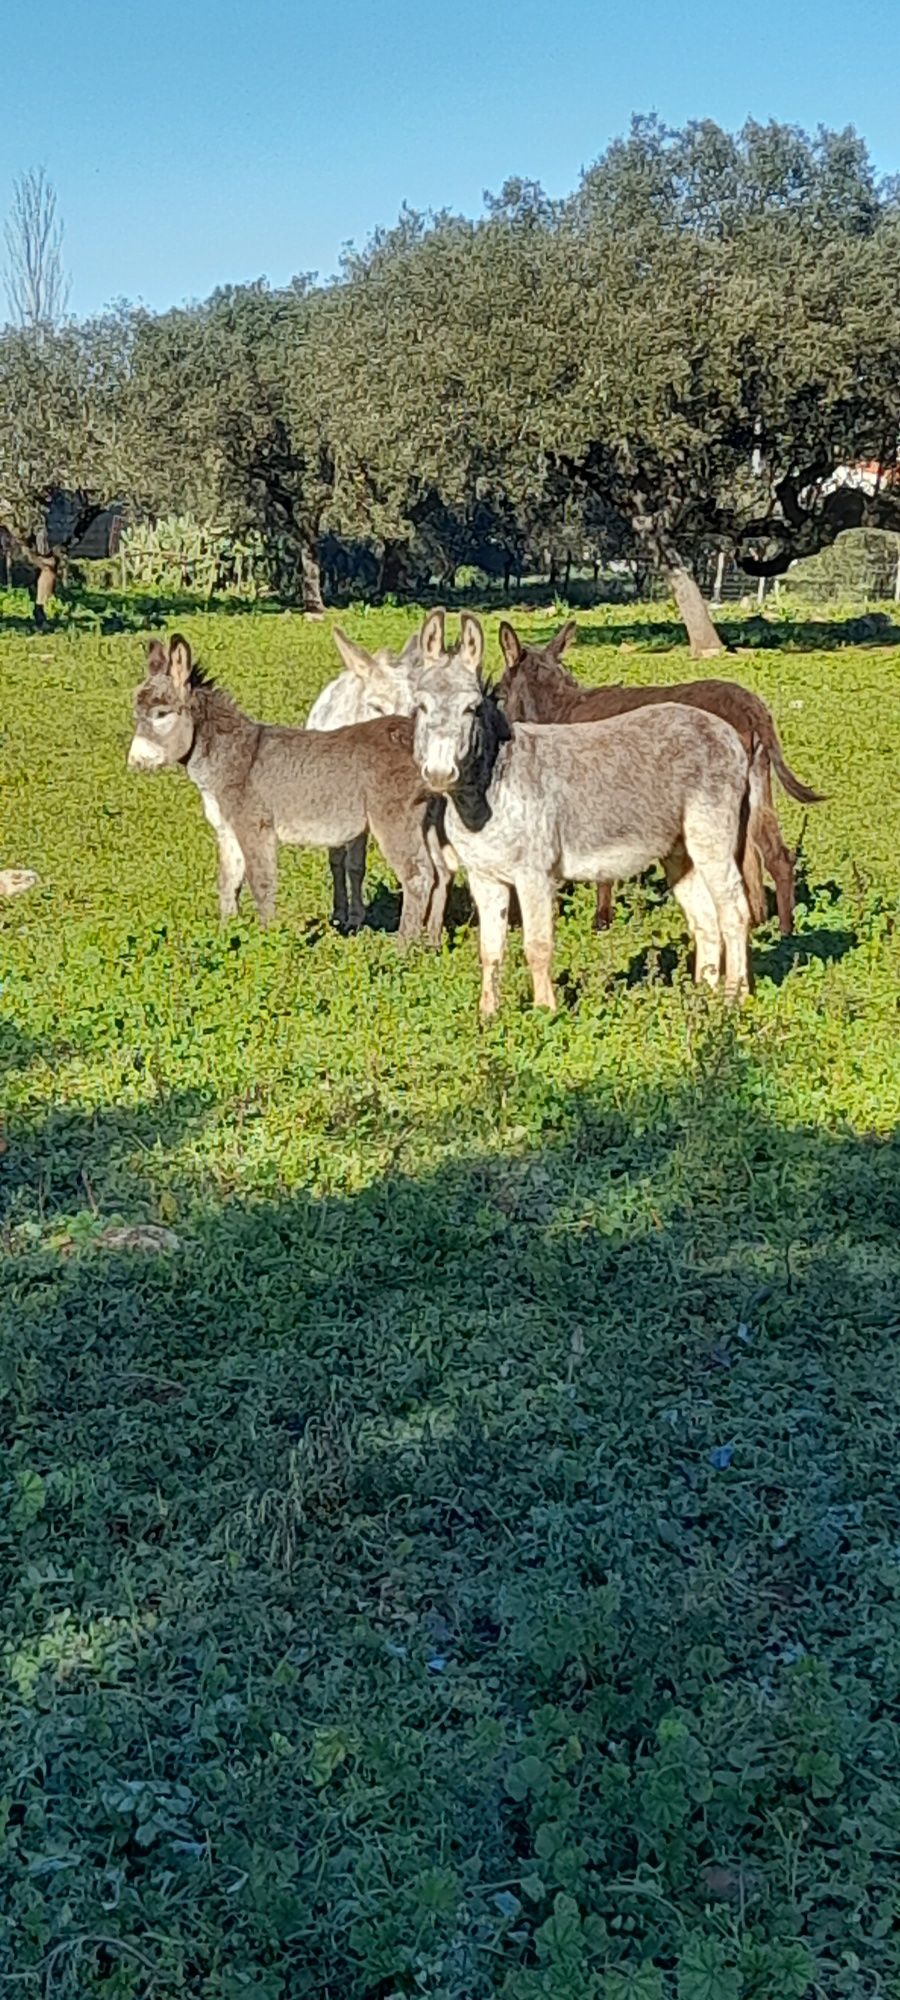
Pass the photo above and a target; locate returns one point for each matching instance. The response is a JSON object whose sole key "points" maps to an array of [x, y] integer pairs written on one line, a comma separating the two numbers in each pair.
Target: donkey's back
{"points": [[609, 798], [323, 787]]}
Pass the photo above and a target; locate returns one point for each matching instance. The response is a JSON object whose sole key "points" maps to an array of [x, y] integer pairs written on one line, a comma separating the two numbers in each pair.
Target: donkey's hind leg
{"points": [[403, 839], [722, 878], [780, 865], [698, 904], [417, 883], [603, 911]]}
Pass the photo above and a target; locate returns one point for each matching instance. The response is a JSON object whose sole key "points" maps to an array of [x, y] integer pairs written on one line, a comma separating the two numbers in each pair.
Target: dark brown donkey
{"points": [[261, 785], [536, 688]]}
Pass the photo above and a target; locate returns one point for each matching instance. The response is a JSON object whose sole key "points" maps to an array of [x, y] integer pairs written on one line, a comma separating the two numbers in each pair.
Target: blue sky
{"points": [[201, 143]]}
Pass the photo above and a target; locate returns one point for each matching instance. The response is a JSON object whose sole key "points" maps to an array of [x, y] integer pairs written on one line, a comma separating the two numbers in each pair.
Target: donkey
{"points": [[261, 784], [529, 807], [372, 684], [536, 688]]}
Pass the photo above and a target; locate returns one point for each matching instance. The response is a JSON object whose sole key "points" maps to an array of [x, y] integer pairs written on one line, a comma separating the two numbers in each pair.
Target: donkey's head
{"points": [[532, 673], [386, 677], [163, 720], [455, 715]]}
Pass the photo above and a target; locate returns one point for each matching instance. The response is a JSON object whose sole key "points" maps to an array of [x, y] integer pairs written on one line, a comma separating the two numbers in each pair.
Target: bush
{"points": [[179, 552]]}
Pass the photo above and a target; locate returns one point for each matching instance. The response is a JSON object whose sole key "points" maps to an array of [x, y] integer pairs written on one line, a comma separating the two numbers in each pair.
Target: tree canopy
{"points": [[682, 357]]}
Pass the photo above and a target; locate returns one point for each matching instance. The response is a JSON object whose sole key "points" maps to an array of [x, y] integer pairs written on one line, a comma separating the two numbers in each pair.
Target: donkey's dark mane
{"points": [[552, 665], [212, 703], [490, 730]]}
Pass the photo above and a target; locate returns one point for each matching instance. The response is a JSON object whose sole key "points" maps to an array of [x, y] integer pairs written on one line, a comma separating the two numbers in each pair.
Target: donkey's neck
{"points": [[225, 740], [555, 695], [471, 795]]}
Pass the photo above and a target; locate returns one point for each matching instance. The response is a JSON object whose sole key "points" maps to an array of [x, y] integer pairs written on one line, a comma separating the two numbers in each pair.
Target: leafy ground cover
{"points": [[465, 1560]]}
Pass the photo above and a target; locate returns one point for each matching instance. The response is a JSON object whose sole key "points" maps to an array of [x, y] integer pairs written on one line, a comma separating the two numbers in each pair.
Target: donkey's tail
{"points": [[792, 784], [752, 818]]}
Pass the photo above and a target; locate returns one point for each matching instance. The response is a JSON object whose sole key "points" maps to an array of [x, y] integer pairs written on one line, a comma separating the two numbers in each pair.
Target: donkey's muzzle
{"points": [[144, 756], [440, 779]]}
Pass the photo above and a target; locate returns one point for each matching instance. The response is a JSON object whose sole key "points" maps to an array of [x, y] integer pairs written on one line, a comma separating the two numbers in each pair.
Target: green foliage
{"points": [[376, 1615], [680, 358], [61, 396], [179, 553]]}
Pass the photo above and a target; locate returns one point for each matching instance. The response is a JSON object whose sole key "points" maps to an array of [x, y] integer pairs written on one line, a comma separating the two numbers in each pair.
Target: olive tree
{"points": [[60, 396], [228, 415]]}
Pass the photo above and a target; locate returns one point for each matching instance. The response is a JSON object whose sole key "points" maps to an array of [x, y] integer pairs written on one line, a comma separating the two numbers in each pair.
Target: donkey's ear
{"points": [[562, 639], [179, 660], [356, 660], [471, 642], [157, 658], [510, 644], [432, 637]]}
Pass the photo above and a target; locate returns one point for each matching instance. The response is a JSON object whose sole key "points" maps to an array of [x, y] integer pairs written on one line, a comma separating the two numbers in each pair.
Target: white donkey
{"points": [[532, 805], [372, 684]]}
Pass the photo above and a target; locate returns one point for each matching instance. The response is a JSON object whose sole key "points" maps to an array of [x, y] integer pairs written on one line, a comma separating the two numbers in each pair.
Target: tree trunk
{"points": [[567, 575], [390, 574], [552, 578], [44, 588], [507, 576], [704, 639], [313, 604]]}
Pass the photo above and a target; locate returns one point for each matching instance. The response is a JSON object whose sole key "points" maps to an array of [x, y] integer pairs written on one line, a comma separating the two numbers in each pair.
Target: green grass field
{"points": [[469, 1563]]}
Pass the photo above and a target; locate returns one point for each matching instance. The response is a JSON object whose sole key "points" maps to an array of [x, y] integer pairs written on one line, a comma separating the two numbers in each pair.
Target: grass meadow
{"points": [[466, 1562]]}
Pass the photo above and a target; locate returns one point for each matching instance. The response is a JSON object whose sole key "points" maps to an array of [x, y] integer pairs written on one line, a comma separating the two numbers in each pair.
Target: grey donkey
{"points": [[530, 806], [262, 784], [372, 684]]}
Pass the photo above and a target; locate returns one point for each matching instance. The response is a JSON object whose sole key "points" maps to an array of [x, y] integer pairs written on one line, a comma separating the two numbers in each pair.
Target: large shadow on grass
{"points": [[751, 633], [520, 1530]]}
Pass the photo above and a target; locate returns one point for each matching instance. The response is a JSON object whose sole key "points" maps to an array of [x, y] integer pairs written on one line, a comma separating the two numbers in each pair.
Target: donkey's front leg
{"points": [[356, 875], [492, 903], [337, 857], [231, 871], [536, 900], [603, 911]]}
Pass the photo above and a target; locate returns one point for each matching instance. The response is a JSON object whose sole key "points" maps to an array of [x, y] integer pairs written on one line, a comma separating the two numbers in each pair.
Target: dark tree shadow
{"points": [[654, 965], [384, 907], [756, 634], [532, 1520], [775, 961], [62, 1161]]}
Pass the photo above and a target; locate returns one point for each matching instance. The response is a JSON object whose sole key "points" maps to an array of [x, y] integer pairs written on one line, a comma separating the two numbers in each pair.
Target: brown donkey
{"points": [[536, 688], [261, 784]]}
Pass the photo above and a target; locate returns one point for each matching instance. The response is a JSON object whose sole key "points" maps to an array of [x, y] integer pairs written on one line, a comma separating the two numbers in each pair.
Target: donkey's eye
{"points": [[165, 719]]}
